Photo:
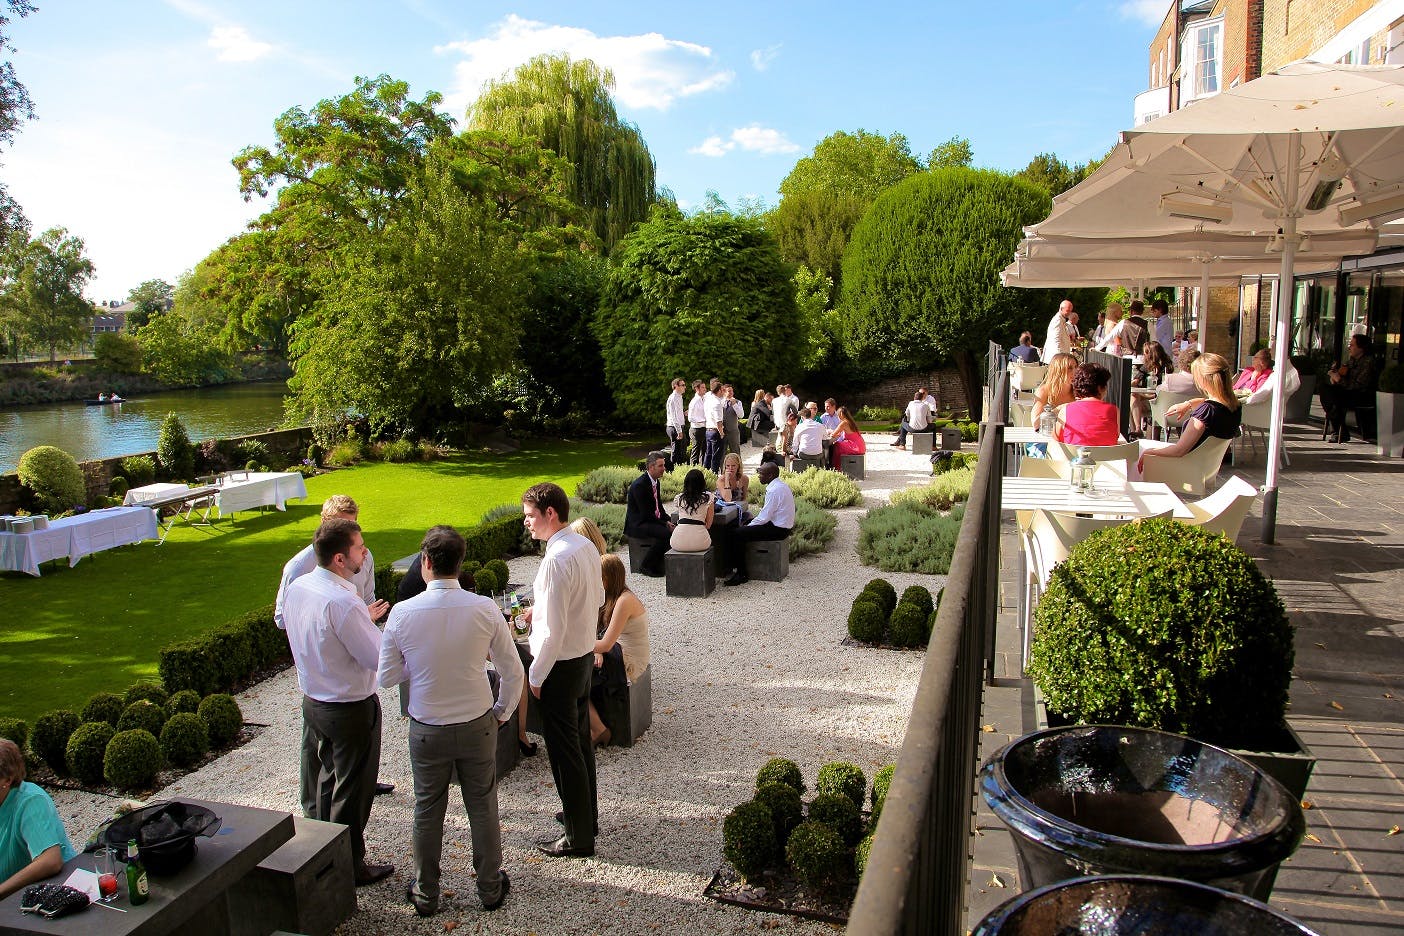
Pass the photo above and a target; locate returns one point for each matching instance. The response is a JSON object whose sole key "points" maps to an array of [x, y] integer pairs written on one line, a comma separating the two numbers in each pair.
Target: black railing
{"points": [[918, 868]]}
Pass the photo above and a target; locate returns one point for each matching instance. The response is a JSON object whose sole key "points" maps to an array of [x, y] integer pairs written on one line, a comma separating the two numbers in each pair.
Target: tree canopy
{"points": [[42, 297], [15, 108], [859, 163], [954, 152], [150, 298], [696, 297], [1053, 175]]}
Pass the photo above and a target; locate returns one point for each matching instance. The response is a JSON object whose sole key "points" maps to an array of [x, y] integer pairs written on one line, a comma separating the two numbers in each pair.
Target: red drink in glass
{"points": [[107, 884]]}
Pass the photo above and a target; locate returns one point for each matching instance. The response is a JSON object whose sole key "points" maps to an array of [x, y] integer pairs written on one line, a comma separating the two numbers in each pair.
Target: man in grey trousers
{"points": [[440, 642]]}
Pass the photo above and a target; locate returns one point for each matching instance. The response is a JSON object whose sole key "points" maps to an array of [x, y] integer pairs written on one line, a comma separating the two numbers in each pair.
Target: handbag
{"points": [[52, 900]]}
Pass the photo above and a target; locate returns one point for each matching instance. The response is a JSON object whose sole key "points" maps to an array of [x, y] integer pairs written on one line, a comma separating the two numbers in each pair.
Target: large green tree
{"points": [[150, 298], [15, 108], [44, 278], [921, 276], [567, 106], [702, 296]]}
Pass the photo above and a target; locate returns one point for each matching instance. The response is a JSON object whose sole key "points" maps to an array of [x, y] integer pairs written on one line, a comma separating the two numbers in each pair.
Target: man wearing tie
{"points": [[644, 516]]}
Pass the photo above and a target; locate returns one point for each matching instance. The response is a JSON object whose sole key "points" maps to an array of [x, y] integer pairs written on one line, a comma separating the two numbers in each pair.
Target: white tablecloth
{"points": [[261, 489], [76, 537], [1136, 499], [151, 492]]}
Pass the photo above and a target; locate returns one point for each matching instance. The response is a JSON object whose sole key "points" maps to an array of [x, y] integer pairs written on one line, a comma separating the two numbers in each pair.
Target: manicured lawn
{"points": [[100, 626]]}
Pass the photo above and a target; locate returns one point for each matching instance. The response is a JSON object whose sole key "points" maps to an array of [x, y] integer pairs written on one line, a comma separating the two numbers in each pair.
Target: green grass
{"points": [[99, 626]]}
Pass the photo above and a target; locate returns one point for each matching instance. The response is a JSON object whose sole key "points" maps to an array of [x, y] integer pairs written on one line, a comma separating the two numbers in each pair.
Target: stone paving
{"points": [[1338, 564]]}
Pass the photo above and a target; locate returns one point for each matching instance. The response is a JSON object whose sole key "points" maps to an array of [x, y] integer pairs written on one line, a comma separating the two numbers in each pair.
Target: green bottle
{"points": [[137, 889]]}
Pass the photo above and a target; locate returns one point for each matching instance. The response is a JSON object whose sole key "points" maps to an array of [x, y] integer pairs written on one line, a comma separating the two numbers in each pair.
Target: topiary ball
{"points": [[132, 759], [185, 739], [222, 718], [748, 839], [54, 478], [866, 620], [104, 707], [818, 855], [151, 691], [786, 808], [919, 596], [49, 739], [861, 853], [780, 770], [908, 626], [186, 700], [485, 582], [86, 749], [838, 813], [882, 782], [499, 569], [1163, 625], [117, 487], [883, 590], [15, 730], [843, 779], [142, 713]]}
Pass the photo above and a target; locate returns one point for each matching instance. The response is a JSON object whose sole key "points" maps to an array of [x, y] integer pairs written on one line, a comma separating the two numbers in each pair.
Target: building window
{"points": [[1203, 57]]}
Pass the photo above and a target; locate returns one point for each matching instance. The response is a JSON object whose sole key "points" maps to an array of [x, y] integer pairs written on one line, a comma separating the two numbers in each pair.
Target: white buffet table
{"points": [[153, 492], [259, 489], [76, 537]]}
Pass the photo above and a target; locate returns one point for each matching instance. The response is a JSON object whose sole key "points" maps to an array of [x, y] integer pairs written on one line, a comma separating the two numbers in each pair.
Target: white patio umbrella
{"points": [[1052, 272], [1309, 149]]}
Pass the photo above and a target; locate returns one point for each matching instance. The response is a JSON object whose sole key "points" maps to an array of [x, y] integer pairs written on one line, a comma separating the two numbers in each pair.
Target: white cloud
{"points": [[651, 71], [1149, 12], [234, 44], [754, 139], [761, 58]]}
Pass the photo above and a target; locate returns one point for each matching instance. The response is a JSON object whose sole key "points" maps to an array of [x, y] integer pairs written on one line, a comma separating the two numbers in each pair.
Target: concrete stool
{"points": [[768, 560], [921, 442], [689, 574], [628, 714], [638, 549], [306, 886], [853, 466], [801, 462], [950, 439]]}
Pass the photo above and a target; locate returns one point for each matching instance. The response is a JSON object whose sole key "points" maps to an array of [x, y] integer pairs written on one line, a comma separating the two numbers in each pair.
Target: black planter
{"points": [[1107, 799], [1128, 905]]}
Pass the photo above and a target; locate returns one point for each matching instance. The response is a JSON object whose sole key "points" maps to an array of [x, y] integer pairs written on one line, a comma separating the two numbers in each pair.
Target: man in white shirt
{"points": [[697, 421], [1057, 339], [1074, 333], [916, 419], [336, 650], [569, 593], [807, 440], [713, 408], [776, 521], [676, 422], [439, 642]]}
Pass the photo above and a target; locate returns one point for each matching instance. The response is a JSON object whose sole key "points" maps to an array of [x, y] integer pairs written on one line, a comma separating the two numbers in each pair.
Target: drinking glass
{"points": [[105, 865]]}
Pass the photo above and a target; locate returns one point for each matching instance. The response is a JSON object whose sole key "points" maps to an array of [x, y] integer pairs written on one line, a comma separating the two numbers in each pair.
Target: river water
{"points": [[90, 432]]}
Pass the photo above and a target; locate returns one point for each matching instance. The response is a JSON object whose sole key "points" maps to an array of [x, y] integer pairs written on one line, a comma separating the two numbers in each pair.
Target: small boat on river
{"points": [[112, 401]]}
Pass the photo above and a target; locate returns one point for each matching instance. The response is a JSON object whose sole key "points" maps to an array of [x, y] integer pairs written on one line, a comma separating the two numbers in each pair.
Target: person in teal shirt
{"points": [[33, 842]]}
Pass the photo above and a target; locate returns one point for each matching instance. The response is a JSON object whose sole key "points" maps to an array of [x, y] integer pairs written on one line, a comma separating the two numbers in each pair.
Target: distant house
{"points": [[111, 319]]}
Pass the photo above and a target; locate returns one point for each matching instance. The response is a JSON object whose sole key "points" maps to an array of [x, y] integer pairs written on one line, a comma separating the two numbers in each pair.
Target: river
{"points": [[90, 432]]}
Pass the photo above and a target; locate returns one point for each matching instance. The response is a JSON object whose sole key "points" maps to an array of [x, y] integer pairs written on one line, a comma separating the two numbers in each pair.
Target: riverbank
{"points": [[29, 384]]}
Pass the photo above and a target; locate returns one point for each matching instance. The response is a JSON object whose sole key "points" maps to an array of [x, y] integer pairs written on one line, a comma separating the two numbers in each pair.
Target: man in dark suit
{"points": [[644, 516]]}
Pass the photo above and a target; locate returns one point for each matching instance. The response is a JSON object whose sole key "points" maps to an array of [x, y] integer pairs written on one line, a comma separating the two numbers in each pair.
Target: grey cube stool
{"points": [[689, 574], [628, 710], [801, 462], [921, 442], [950, 439], [853, 466], [306, 886], [638, 549], [768, 560]]}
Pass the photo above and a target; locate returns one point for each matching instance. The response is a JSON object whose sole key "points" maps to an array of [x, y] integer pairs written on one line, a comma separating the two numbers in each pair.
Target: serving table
{"points": [[259, 489], [76, 537]]}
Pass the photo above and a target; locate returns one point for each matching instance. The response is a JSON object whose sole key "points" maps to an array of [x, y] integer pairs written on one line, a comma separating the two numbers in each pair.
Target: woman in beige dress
{"points": [[695, 511], [623, 620]]}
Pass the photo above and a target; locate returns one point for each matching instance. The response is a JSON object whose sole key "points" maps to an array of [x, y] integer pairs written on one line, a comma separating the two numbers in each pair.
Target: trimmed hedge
{"points": [[104, 707], [87, 747], [866, 620], [132, 759], [186, 700], [817, 853], [225, 657], [15, 730], [222, 717], [147, 690], [748, 838], [841, 778], [185, 739], [49, 739], [143, 713], [885, 593], [781, 770], [786, 808]]}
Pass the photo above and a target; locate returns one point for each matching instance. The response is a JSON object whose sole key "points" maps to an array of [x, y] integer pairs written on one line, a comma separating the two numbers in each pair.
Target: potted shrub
{"points": [[1389, 411]]}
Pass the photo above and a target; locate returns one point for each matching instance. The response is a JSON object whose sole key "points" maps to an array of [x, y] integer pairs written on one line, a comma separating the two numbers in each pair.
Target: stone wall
{"points": [[944, 384]]}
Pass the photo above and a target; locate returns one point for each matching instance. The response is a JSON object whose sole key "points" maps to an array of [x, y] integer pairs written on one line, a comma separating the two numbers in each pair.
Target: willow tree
{"points": [[568, 107]]}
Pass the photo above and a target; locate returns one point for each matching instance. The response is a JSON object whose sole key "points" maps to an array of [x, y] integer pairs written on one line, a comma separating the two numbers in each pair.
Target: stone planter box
{"points": [[1389, 428], [1298, 406]]}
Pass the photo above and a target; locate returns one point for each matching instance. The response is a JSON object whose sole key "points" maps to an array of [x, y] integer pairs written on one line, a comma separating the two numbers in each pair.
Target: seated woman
{"points": [[588, 529], [1056, 388], [847, 439], [1182, 380], [732, 484], [623, 620], [1254, 377], [33, 842], [1155, 366], [1215, 415], [1089, 419], [695, 512]]}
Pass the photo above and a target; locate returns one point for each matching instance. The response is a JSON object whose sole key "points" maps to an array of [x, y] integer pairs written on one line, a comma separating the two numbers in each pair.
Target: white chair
{"points": [[1119, 459], [1164, 399], [1193, 473], [1225, 510], [1021, 413], [1027, 376], [1257, 421]]}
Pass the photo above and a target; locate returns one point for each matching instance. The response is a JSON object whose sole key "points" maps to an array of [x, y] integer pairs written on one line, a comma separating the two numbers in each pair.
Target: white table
{"points": [[1133, 499], [152, 492], [76, 537], [1023, 435], [260, 489]]}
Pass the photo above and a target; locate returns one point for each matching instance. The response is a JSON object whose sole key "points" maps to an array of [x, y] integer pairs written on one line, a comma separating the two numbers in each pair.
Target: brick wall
{"points": [[1293, 29]]}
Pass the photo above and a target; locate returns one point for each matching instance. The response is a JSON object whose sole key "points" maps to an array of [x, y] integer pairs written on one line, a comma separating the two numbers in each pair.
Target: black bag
{"points": [[52, 900]]}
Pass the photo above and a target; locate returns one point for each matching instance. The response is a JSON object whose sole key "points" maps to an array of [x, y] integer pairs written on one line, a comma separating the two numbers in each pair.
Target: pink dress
{"points": [[1251, 380], [848, 443], [1090, 422]]}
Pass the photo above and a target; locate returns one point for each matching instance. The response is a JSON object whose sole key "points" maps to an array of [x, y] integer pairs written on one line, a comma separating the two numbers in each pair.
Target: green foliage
{"points": [[222, 718], [814, 290], [150, 691], [866, 619], [185, 739], [314, 454], [118, 487], [608, 517], [16, 730], [904, 537], [1053, 175], [226, 656], [1392, 379], [183, 349], [840, 814], [104, 707], [139, 470], [824, 488], [886, 595], [948, 461], [681, 290], [843, 779], [86, 748], [817, 853], [882, 782], [117, 353], [954, 152], [347, 453], [748, 838], [174, 451], [890, 414], [607, 485], [132, 759], [557, 347], [142, 713], [861, 853], [670, 485], [53, 477], [49, 739], [786, 808], [907, 628], [918, 595], [252, 450], [485, 582], [186, 700], [860, 163], [1195, 642], [400, 450], [814, 529], [42, 295], [780, 770], [151, 297], [500, 569]]}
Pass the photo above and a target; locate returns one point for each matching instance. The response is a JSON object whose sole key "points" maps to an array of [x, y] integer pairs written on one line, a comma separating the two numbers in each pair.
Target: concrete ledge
{"points": [[921, 442]]}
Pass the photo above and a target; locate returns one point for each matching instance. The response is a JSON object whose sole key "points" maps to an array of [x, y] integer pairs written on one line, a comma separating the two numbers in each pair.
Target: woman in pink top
{"points": [[1089, 419], [1254, 377], [847, 439]]}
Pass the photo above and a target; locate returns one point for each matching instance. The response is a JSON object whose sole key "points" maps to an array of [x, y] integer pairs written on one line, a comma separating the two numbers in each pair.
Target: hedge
{"points": [[228, 655]]}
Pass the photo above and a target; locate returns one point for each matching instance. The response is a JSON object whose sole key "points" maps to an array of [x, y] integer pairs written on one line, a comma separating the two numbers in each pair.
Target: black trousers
{"points": [[677, 446], [741, 535], [565, 724], [658, 531], [1336, 400], [340, 761], [699, 444]]}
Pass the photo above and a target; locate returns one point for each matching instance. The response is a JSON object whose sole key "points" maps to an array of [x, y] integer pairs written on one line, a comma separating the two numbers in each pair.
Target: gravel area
{"points": [[747, 674]]}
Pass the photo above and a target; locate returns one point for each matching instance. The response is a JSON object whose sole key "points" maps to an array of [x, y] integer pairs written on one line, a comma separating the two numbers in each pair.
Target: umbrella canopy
{"points": [[1051, 272], [1329, 246]]}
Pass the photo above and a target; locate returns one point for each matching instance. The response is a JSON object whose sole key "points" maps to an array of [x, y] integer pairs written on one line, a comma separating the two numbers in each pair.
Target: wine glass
{"points": [[105, 865]]}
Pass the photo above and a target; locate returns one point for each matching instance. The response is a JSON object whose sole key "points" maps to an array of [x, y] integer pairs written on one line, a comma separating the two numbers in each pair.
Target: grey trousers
{"points": [[340, 761], [436, 751]]}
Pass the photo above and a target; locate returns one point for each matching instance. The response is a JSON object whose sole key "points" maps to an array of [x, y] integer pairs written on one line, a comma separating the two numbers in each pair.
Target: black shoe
{"points": [[560, 817], [367, 875], [737, 578], [561, 848], [528, 748], [381, 789], [506, 886], [422, 906]]}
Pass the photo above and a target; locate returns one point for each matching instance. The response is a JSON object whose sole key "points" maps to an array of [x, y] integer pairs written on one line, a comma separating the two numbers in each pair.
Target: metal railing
{"points": [[917, 871]]}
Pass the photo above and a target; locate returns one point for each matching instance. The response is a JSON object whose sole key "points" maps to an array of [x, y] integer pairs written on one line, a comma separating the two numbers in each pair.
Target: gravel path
{"points": [[744, 675]]}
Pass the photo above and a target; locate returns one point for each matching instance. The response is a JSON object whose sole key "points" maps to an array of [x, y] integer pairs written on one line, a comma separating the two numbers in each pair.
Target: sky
{"points": [[142, 104]]}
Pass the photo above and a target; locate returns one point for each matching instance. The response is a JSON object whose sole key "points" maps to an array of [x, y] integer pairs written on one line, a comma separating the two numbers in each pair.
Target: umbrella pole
{"points": [[1203, 304], [1285, 293]]}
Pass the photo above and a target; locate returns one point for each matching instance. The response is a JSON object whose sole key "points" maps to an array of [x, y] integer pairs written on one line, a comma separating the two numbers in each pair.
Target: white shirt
{"points": [[1164, 333], [569, 594], [712, 410], [334, 645], [677, 415], [918, 414], [808, 438], [305, 561], [779, 506], [930, 402], [697, 412], [1057, 339], [439, 642], [779, 409], [1112, 334]]}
